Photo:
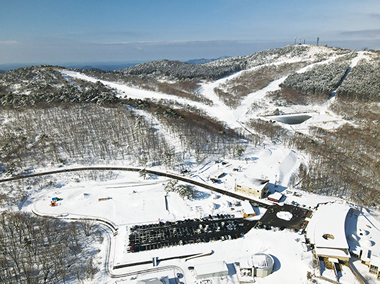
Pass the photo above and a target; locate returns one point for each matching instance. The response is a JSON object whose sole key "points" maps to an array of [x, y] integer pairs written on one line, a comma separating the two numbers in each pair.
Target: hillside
{"points": [[214, 100]]}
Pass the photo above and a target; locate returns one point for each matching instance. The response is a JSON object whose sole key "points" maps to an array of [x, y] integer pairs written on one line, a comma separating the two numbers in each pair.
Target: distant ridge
{"points": [[104, 66], [205, 60]]}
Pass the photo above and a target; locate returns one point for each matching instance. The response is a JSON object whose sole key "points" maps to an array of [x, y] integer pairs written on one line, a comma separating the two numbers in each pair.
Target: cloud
{"points": [[374, 15], [104, 36], [375, 33], [8, 42]]}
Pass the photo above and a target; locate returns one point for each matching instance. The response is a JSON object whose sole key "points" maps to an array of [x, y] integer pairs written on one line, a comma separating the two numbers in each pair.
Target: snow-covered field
{"points": [[133, 200], [130, 200]]}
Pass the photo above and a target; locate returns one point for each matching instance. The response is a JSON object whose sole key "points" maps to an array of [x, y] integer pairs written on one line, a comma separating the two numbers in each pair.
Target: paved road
{"points": [[136, 169]]}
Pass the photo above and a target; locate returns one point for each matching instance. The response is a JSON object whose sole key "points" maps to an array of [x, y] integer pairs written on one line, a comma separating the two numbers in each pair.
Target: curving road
{"points": [[137, 169], [269, 218]]}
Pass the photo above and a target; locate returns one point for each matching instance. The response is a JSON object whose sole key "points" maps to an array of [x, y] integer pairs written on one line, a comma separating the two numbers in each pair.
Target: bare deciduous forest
{"points": [[44, 250]]}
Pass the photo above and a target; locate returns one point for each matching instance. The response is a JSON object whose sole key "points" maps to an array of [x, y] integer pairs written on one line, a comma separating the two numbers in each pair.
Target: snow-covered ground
{"points": [[129, 200], [219, 110]]}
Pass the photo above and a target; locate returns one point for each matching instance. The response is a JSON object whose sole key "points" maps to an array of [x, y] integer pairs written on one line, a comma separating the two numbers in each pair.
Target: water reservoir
{"points": [[291, 118]]}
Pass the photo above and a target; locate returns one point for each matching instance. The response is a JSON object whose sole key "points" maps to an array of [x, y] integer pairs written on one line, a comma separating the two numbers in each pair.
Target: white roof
{"points": [[245, 263], [247, 207], [258, 260], [255, 183], [366, 243], [262, 260], [277, 195], [328, 220], [219, 267], [336, 253], [375, 259]]}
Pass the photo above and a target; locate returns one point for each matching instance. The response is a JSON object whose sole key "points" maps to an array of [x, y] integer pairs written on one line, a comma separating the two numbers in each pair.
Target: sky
{"points": [[56, 32]]}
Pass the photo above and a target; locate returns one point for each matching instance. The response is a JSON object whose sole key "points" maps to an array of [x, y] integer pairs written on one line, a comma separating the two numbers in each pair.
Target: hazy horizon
{"points": [[57, 32]]}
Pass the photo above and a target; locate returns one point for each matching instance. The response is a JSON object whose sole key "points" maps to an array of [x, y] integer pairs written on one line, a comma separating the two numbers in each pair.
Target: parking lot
{"points": [[297, 222], [166, 234]]}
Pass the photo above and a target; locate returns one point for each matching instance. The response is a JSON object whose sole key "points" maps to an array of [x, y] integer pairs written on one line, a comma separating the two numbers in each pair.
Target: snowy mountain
{"points": [[232, 95], [304, 117]]}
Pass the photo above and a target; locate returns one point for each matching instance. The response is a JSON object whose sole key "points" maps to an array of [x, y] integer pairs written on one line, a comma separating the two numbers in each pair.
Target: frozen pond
{"points": [[290, 119]]}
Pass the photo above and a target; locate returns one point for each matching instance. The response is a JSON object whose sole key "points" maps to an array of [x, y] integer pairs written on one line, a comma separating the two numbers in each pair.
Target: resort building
{"points": [[252, 186], [326, 231]]}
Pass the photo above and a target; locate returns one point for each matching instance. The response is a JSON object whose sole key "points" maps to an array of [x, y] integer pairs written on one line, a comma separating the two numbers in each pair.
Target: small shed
{"points": [[276, 197], [247, 210]]}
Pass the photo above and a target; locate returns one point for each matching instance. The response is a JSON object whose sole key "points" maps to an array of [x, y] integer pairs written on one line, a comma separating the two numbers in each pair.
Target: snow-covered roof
{"points": [[366, 243], [375, 259], [214, 268], [338, 253], [366, 255], [362, 230], [326, 228], [262, 260], [275, 196], [251, 182], [245, 263], [247, 207], [258, 260]]}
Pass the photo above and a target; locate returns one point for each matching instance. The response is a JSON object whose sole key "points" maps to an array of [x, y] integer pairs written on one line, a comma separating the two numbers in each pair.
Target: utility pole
{"points": [[317, 41]]}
